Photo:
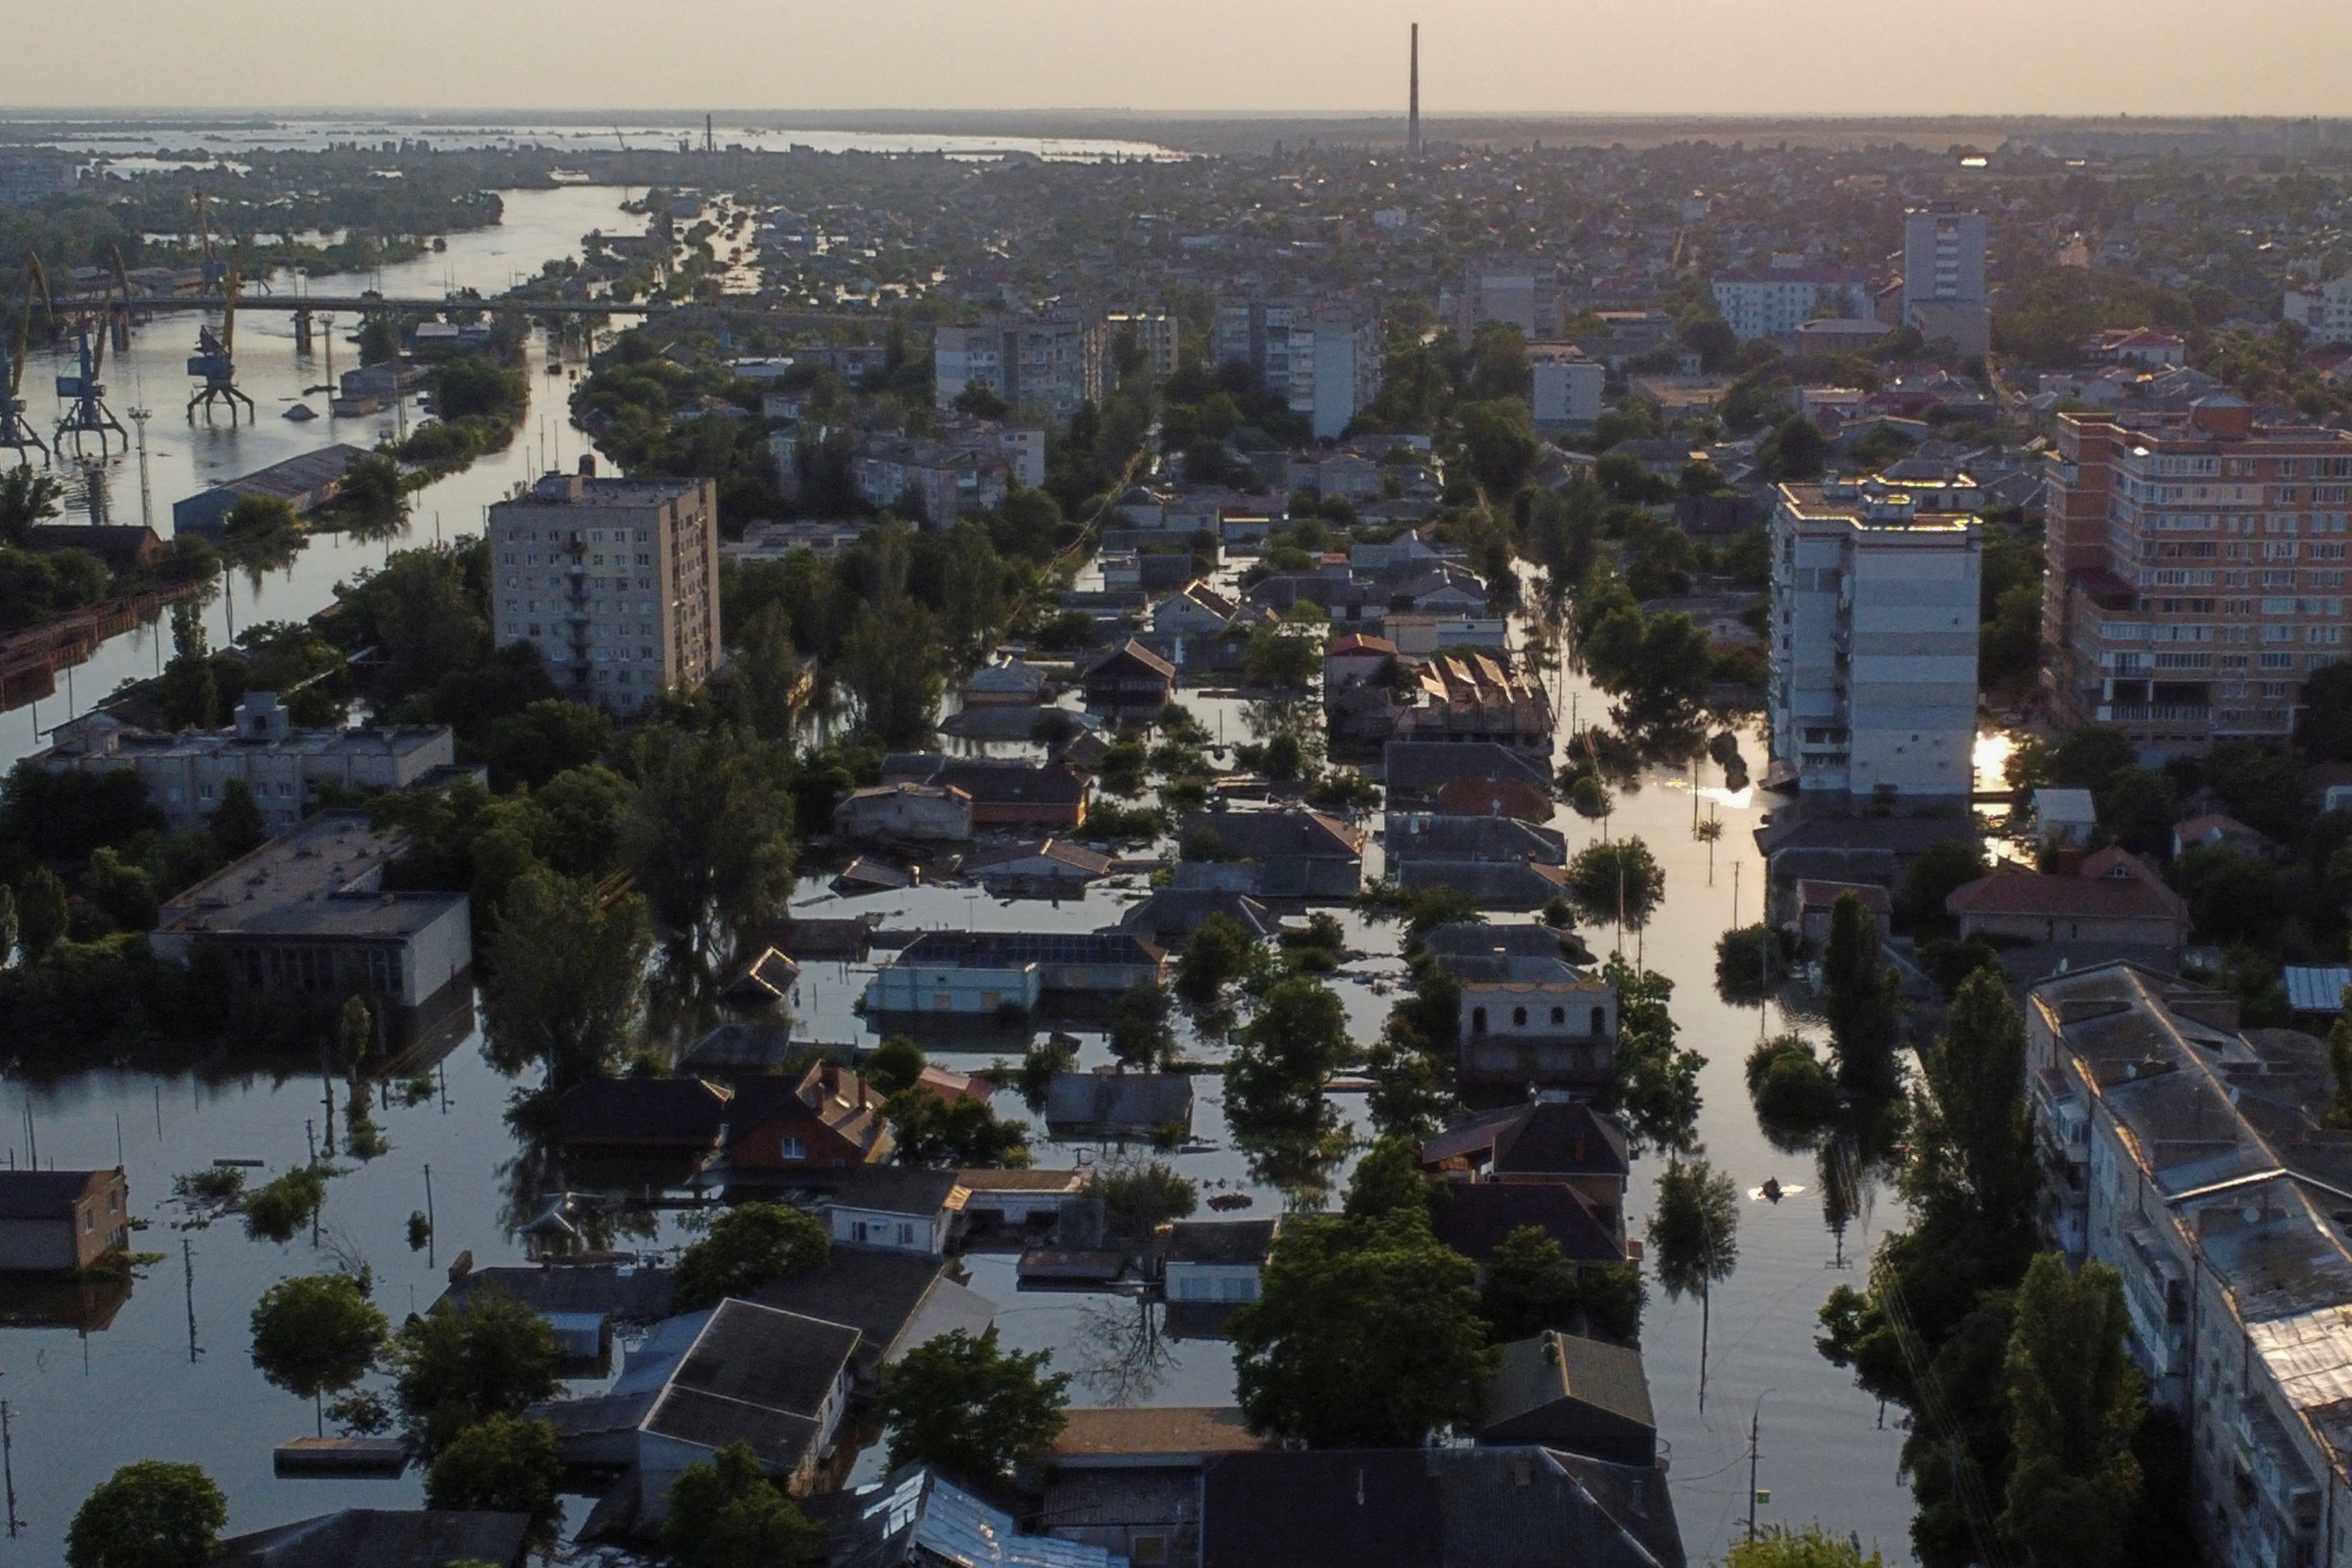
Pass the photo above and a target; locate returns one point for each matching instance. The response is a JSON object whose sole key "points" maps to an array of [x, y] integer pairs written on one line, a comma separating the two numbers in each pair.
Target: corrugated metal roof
{"points": [[2310, 1355], [2316, 990]]}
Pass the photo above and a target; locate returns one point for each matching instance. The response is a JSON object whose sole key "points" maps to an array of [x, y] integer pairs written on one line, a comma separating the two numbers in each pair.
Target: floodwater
{"points": [[183, 458]]}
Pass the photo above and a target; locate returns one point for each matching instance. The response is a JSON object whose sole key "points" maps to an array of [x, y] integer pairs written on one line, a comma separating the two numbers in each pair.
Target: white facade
{"points": [[1053, 361], [1228, 1284], [1774, 303], [1874, 606], [2324, 310], [1943, 259], [614, 582], [1567, 393], [1323, 358], [887, 1227]]}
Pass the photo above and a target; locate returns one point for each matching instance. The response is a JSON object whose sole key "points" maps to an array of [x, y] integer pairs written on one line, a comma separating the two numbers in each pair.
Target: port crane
{"points": [[214, 360], [16, 432], [87, 414]]}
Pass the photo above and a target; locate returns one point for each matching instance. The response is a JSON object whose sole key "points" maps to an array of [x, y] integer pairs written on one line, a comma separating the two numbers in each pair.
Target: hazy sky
{"points": [[2081, 56]]}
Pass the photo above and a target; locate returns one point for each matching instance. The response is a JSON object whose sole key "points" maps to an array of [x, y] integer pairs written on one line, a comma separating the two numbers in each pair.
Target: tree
{"points": [[961, 1404], [2075, 1406], [765, 683], [547, 737], [236, 823], [2088, 757], [456, 1365], [1618, 881], [7, 924], [1498, 440], [1281, 656], [1387, 1180], [1531, 1287], [40, 913], [187, 693], [724, 1512], [1976, 1105], [1137, 1198], [946, 1134], [709, 832], [26, 498], [285, 1204], [317, 1334], [1367, 1335], [2339, 1067], [897, 1064], [148, 1515], [2325, 729], [1793, 1095], [1139, 1035], [1219, 953], [750, 1245], [261, 533], [1940, 871], [1861, 1000], [1795, 450], [1298, 1037], [2137, 805], [891, 665], [1655, 1090], [1694, 1235], [1749, 964], [1811, 1547], [566, 977], [500, 1464]]}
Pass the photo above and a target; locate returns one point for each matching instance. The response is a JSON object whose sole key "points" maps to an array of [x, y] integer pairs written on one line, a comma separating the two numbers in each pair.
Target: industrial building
{"points": [[1874, 643], [614, 582], [304, 483]]}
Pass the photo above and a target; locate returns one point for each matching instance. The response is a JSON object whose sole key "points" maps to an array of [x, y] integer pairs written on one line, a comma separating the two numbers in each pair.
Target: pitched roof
{"points": [[1813, 893], [1285, 835], [47, 1195], [915, 1516], [1542, 1137], [2113, 885], [1179, 1431], [893, 1189], [1078, 860], [1129, 652], [675, 1111], [879, 1291], [382, 1538], [633, 1294], [1426, 766], [1429, 836], [1554, 1366], [1472, 1217], [1118, 1100], [1219, 1240], [1495, 798]]}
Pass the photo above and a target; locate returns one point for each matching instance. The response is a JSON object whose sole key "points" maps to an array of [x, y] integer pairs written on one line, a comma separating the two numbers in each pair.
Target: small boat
{"points": [[1226, 1201], [301, 413], [1772, 1191]]}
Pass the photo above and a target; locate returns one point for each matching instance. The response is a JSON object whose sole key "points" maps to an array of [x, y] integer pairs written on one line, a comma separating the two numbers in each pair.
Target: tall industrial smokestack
{"points": [[1413, 114]]}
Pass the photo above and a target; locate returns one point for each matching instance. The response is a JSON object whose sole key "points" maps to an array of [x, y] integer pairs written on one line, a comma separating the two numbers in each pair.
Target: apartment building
{"points": [[614, 582], [1155, 336], [1566, 388], [1518, 293], [934, 482], [2197, 571], [1944, 278], [1053, 361], [2184, 1152], [2325, 309], [1322, 356], [1874, 642], [1773, 302]]}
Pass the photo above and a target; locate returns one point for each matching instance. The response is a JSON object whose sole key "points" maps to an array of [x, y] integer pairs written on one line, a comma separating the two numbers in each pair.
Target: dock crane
{"points": [[16, 432], [214, 358], [213, 269], [88, 413], [123, 285]]}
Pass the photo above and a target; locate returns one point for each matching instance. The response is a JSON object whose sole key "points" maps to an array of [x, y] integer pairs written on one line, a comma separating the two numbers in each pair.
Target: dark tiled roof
{"points": [[1542, 1137], [1268, 835], [1219, 1240], [1895, 835], [893, 1190], [1472, 1217], [382, 1538], [670, 1112], [1119, 1098], [990, 949], [1417, 838], [1424, 767], [780, 1437], [1551, 1367], [875, 1290], [47, 1195], [634, 1295]]}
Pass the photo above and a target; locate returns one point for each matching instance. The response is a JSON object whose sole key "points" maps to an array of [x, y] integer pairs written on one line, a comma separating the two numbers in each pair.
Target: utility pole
{"points": [[140, 416], [8, 1469], [188, 1268], [1755, 1427], [430, 1239]]}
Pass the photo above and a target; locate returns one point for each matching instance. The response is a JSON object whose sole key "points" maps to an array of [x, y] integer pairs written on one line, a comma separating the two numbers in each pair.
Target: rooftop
{"points": [[1179, 1432], [318, 880]]}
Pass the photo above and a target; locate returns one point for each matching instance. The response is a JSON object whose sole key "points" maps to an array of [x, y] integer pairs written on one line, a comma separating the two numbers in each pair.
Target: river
{"points": [[183, 458]]}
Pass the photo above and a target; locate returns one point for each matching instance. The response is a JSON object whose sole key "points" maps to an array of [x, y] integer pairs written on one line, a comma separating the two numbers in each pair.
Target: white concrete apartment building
{"points": [[614, 582], [1944, 278], [1773, 302], [2325, 309], [2197, 571], [1874, 642], [2183, 1152], [1155, 334], [1566, 388], [1054, 362], [1323, 357]]}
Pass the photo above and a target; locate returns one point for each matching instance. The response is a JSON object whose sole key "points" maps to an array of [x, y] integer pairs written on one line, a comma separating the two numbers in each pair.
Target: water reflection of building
{"points": [[87, 1305]]}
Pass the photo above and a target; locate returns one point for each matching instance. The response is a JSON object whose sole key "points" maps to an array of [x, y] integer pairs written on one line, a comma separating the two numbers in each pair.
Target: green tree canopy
{"points": [[40, 913], [1295, 1041], [975, 1411], [566, 977], [236, 823], [455, 1366], [724, 1512], [1811, 1547], [1860, 996], [1140, 1196], [148, 1515], [1617, 876], [746, 1247], [500, 1464], [317, 1334], [710, 832], [1367, 1334], [944, 1134], [2075, 1403], [1219, 953], [544, 739], [894, 1065]]}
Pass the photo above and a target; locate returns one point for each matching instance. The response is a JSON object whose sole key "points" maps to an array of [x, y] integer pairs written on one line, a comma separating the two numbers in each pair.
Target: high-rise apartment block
{"points": [[1054, 362], [1155, 337], [614, 582], [1774, 301], [1518, 293], [2196, 566], [1944, 278], [1874, 682], [2323, 309], [1323, 357]]}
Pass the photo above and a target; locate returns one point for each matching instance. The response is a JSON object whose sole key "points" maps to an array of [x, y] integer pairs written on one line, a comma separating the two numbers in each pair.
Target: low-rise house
{"points": [[2115, 899], [1352, 658], [1419, 635], [1127, 681], [54, 1222], [1817, 906], [1048, 868], [1011, 683], [1098, 963], [1295, 853], [1414, 770], [765, 982], [1478, 698], [1576, 1394], [383, 1538], [2315, 988], [827, 1120], [123, 546], [1878, 850], [908, 1210], [1196, 610], [1124, 1106], [643, 1116], [581, 1302], [1170, 915], [2066, 818], [914, 1518], [1563, 1143], [1026, 1199], [1049, 797], [1500, 862], [1494, 797], [304, 482], [1210, 1268], [1473, 1218], [896, 1300], [904, 813], [737, 1373], [1527, 1017], [1129, 1480], [2218, 830], [1434, 1508]]}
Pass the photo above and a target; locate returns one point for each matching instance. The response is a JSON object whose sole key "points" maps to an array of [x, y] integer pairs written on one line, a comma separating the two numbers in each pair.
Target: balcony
{"points": [[2154, 713]]}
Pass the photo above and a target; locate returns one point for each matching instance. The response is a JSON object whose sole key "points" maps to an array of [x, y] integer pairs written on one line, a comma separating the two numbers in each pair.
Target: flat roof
{"points": [[308, 882]]}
